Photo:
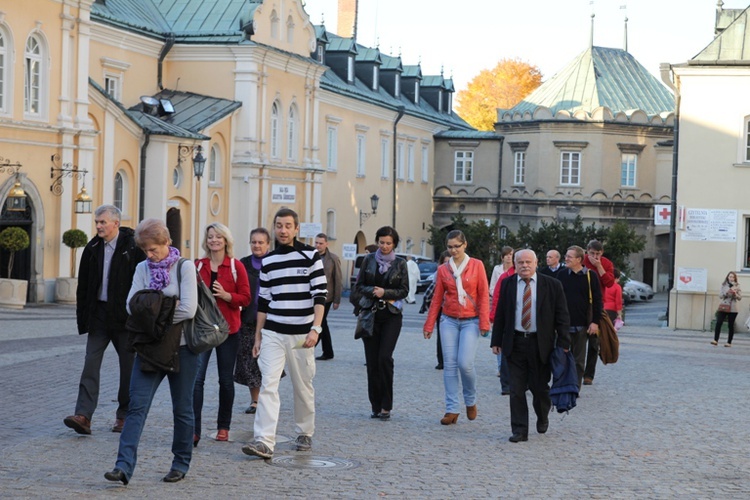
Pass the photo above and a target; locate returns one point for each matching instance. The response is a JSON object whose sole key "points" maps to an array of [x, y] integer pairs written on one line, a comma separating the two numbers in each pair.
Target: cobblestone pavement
{"points": [[667, 421]]}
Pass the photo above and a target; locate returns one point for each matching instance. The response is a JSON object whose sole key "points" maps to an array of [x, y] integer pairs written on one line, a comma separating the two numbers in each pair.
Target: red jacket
{"points": [[612, 298], [474, 280], [607, 279], [240, 290]]}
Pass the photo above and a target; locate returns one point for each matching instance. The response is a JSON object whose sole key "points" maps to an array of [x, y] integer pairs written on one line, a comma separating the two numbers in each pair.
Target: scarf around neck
{"points": [[384, 261], [457, 271], [159, 271]]}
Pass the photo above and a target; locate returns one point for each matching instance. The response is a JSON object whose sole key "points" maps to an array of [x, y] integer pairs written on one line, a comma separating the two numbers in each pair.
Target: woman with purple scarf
{"points": [[168, 357], [384, 279], [246, 371]]}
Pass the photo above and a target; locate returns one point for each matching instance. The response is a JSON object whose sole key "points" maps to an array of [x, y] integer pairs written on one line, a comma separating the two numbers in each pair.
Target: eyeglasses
{"points": [[455, 247]]}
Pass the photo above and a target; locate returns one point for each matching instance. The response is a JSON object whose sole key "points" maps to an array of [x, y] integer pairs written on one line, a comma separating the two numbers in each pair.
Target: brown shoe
{"points": [[449, 418], [119, 424], [78, 423], [588, 381], [471, 412]]}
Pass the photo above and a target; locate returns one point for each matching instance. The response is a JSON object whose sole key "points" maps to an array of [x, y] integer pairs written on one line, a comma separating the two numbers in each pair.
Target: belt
{"points": [[460, 319], [519, 333]]}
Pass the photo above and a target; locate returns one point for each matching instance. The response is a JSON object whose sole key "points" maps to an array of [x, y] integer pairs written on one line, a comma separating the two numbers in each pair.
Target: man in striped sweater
{"points": [[291, 302]]}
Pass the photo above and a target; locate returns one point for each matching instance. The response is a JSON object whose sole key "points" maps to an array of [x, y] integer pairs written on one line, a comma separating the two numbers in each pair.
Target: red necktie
{"points": [[526, 315]]}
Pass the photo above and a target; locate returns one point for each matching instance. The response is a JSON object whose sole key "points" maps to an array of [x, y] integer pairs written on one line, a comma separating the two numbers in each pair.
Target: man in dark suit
{"points": [[531, 318]]}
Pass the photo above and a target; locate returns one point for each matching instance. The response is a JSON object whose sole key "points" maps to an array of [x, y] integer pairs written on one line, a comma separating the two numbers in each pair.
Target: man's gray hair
{"points": [[113, 211]]}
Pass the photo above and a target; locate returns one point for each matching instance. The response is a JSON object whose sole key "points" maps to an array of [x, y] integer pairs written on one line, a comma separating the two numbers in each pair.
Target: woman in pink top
{"points": [[462, 294]]}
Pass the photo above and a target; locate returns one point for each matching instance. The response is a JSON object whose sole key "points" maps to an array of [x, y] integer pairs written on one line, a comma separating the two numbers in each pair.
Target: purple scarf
{"points": [[384, 261], [160, 270]]}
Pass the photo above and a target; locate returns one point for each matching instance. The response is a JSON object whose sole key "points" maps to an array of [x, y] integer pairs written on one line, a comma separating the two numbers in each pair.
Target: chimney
{"points": [[347, 19]]}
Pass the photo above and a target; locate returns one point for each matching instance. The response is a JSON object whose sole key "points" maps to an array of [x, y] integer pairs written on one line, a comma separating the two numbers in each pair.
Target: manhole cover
{"points": [[307, 462]]}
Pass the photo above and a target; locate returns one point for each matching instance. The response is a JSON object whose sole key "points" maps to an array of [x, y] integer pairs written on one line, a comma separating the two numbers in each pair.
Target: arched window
{"points": [[5, 70], [289, 29], [331, 224], [275, 130], [274, 25], [292, 133], [33, 76], [214, 165], [121, 191]]}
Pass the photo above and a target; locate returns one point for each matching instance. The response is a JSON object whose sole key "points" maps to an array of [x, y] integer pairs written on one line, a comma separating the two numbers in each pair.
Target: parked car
{"points": [[361, 256], [426, 271], [636, 291]]}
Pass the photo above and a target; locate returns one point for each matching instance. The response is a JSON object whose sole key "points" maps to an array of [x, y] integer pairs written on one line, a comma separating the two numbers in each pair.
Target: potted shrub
{"points": [[65, 288], [13, 292]]}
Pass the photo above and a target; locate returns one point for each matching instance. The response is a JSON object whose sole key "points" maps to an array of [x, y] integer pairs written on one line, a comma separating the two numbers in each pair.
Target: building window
{"points": [[423, 247], [385, 155], [112, 87], [274, 25], [4, 70], [331, 224], [375, 77], [119, 191], [321, 53], [503, 232], [33, 76], [400, 161], [214, 165], [397, 91], [350, 69], [177, 177], [747, 140], [425, 164], [333, 145], [291, 152], [629, 169], [361, 155], [416, 92], [290, 30], [519, 168], [275, 130], [463, 167], [570, 168], [410, 163]]}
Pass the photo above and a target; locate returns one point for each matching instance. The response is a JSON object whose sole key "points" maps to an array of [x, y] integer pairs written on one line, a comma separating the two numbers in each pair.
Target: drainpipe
{"points": [[667, 76], [400, 115], [499, 181], [163, 54], [142, 183]]}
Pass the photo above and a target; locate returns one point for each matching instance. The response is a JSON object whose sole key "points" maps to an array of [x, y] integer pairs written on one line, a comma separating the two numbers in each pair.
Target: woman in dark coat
{"points": [[384, 279]]}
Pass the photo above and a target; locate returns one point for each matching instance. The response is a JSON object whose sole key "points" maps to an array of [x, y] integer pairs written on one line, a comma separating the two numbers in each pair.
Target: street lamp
{"points": [[199, 161], [363, 216], [16, 201], [82, 200]]}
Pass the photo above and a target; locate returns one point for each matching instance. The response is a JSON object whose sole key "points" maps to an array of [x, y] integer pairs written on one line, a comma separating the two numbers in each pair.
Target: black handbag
{"points": [[208, 328], [365, 319]]}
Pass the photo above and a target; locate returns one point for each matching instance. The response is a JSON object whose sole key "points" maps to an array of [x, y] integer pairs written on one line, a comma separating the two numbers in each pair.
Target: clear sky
{"points": [[467, 36]]}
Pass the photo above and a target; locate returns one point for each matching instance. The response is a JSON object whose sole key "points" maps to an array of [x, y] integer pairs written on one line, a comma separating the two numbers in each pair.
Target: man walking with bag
{"points": [[291, 303]]}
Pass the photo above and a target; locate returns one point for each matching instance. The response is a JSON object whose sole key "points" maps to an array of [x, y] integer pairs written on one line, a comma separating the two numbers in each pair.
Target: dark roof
{"points": [[731, 46], [600, 77], [468, 134]]}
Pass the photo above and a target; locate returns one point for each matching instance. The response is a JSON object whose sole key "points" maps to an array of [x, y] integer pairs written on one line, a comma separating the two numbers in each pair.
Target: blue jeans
{"points": [[459, 338], [226, 357], [143, 386]]}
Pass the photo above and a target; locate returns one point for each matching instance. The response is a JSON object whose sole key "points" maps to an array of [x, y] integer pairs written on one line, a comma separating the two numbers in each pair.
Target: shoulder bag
{"points": [[208, 328]]}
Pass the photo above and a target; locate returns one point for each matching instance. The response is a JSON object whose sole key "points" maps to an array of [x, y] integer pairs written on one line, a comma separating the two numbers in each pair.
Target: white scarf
{"points": [[457, 271]]}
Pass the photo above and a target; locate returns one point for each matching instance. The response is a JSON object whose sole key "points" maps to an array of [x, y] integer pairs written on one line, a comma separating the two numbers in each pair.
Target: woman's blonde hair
{"points": [[152, 231], [225, 233]]}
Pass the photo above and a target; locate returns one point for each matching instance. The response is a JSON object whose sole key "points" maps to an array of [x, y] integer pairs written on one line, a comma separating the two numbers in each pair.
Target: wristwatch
{"points": [[316, 329]]}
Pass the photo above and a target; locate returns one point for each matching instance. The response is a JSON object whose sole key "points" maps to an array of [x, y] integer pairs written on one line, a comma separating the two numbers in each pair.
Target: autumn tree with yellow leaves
{"points": [[502, 87]]}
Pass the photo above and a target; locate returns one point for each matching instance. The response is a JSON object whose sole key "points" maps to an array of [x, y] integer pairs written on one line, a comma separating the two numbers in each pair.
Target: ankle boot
{"points": [[471, 412], [449, 418]]}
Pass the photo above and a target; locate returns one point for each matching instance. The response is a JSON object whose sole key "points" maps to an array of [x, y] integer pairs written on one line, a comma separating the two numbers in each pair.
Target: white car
{"points": [[636, 291]]}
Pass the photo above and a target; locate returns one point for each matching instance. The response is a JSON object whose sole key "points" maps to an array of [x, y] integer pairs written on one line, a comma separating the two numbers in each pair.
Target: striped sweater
{"points": [[292, 282]]}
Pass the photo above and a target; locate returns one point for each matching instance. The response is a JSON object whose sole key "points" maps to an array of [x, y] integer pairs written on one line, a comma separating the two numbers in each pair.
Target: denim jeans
{"points": [[226, 357], [460, 338], [143, 386]]}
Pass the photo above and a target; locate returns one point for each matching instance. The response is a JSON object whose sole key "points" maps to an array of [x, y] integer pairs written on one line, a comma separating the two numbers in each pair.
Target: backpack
{"points": [[208, 328]]}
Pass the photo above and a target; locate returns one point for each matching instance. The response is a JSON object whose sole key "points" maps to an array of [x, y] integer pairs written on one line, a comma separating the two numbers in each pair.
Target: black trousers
{"points": [[720, 317], [379, 356], [528, 370], [578, 348], [592, 355], [325, 334], [99, 337]]}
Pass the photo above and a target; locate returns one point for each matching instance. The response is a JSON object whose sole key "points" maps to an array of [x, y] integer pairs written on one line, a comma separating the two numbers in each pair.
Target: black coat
{"points": [[395, 282], [552, 320], [153, 308], [126, 257]]}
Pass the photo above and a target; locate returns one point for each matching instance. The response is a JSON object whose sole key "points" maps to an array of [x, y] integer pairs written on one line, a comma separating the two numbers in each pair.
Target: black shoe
{"points": [[116, 475], [505, 393], [439, 366], [517, 438], [541, 427], [375, 414], [324, 358], [173, 476], [384, 415]]}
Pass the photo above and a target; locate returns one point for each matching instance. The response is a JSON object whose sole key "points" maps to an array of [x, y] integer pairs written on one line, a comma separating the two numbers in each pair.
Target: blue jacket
{"points": [[564, 389]]}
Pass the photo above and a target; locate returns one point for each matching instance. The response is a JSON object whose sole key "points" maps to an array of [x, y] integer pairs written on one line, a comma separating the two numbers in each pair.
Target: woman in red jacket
{"points": [[228, 281], [461, 291]]}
